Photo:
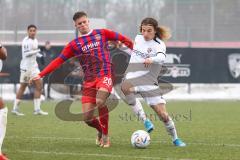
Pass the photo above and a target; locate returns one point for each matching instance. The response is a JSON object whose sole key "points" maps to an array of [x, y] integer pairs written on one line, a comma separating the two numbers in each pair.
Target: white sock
{"points": [[37, 103], [3, 125], [171, 129], [16, 104], [138, 110]]}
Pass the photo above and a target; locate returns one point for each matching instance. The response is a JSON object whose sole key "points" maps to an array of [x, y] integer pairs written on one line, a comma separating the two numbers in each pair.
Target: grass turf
{"points": [[210, 129]]}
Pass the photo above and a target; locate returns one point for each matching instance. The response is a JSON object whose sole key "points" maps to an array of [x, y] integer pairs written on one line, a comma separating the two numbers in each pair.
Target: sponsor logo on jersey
{"points": [[149, 50], [144, 55], [90, 46]]}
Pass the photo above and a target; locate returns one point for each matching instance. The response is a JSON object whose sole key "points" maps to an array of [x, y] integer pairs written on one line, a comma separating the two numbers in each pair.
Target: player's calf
{"points": [[95, 124]]}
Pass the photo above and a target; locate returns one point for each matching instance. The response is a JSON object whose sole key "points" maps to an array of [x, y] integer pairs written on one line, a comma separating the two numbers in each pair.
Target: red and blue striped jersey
{"points": [[92, 52]]}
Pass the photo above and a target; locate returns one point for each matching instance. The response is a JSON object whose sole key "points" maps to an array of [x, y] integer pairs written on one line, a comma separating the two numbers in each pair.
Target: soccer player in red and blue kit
{"points": [[91, 49]]}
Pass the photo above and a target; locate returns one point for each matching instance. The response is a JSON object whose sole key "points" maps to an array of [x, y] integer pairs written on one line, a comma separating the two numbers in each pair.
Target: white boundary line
{"points": [[91, 139], [97, 155]]}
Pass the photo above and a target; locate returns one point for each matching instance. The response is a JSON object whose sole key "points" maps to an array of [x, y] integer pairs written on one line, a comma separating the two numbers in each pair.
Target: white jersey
{"points": [[29, 54], [146, 49]]}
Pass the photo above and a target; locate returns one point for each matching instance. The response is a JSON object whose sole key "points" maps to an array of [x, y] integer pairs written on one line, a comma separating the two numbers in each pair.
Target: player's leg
{"points": [[91, 120], [3, 125], [162, 113], [24, 78], [49, 90], [101, 97], [17, 101], [37, 99], [88, 107], [128, 90], [104, 86]]}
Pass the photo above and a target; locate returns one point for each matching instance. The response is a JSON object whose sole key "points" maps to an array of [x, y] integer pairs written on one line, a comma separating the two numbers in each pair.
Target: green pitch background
{"points": [[211, 130]]}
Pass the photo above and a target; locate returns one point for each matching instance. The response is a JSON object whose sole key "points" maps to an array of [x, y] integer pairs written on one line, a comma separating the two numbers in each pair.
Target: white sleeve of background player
{"points": [[161, 54], [27, 51], [39, 55]]}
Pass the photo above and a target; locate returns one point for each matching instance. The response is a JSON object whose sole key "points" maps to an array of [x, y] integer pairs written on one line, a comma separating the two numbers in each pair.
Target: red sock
{"points": [[103, 118], [95, 124]]}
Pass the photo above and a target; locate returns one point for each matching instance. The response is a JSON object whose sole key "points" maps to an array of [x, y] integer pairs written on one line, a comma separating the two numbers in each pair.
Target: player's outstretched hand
{"points": [[148, 62], [34, 79]]}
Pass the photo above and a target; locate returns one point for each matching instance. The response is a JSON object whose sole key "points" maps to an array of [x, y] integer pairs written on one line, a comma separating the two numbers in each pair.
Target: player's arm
{"points": [[159, 58], [30, 53], [114, 36], [161, 54], [66, 54]]}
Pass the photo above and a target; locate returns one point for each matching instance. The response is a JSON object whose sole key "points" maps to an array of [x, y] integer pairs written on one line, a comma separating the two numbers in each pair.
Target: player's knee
{"points": [[100, 102], [125, 88], [22, 88], [38, 87]]}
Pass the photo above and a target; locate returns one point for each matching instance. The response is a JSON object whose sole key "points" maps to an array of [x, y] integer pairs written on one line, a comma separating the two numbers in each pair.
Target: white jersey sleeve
{"points": [[160, 48]]}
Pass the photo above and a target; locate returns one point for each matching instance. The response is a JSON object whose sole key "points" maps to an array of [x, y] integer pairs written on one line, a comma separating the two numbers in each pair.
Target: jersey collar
{"points": [[30, 38], [86, 33]]}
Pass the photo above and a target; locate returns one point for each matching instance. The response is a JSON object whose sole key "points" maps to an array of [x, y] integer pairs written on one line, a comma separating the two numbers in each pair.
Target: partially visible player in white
{"points": [[29, 69], [147, 58], [3, 109]]}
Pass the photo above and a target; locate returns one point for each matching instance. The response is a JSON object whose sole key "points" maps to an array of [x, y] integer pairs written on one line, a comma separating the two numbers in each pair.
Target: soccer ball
{"points": [[140, 139]]}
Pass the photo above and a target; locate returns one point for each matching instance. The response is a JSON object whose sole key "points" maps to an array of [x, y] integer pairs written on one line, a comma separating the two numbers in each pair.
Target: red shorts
{"points": [[90, 88]]}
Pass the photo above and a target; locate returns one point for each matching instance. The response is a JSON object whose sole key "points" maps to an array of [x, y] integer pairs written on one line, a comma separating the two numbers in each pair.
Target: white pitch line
{"points": [[97, 155], [121, 140]]}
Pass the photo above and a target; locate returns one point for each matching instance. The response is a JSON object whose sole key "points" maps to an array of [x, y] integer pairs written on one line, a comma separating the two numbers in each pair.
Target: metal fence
{"points": [[189, 20]]}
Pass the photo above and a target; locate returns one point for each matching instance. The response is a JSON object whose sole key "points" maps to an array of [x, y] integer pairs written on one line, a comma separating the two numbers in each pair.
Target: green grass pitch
{"points": [[211, 130]]}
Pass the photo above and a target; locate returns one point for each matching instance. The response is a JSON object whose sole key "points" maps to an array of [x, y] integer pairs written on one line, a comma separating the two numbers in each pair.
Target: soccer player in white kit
{"points": [[29, 68], [3, 109], [148, 55]]}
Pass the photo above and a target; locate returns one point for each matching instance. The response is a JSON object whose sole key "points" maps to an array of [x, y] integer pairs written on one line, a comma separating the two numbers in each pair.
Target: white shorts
{"points": [[26, 75], [148, 88], [151, 94]]}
